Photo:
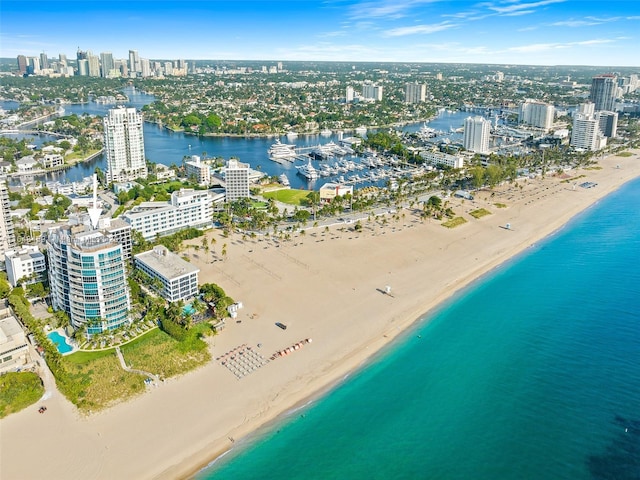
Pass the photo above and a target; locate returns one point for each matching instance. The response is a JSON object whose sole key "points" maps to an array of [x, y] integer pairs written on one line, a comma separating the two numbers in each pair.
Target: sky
{"points": [[533, 32]]}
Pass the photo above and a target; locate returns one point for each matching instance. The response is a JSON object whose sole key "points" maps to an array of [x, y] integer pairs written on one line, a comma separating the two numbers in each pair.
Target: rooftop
{"points": [[166, 263]]}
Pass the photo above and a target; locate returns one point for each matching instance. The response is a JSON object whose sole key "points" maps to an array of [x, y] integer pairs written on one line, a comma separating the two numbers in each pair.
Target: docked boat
{"points": [[326, 132], [284, 180], [282, 150], [308, 171]]}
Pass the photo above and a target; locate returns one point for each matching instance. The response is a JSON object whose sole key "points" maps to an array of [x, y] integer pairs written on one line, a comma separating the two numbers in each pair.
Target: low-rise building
{"points": [[200, 171], [52, 160], [179, 278], [439, 158], [187, 208], [330, 190], [26, 264], [14, 351]]}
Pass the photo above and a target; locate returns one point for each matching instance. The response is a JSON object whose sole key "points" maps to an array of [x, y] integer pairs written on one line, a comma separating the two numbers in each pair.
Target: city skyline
{"points": [[535, 32]]}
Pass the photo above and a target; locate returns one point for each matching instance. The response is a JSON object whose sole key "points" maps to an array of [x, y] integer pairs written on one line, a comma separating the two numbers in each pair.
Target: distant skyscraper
{"points": [[44, 61], [88, 278], [372, 92], [537, 114], [236, 177], [134, 62], [350, 95], [62, 58], [83, 67], [415, 92], [94, 64], [7, 236], [107, 65], [124, 145], [22, 64], [145, 67], [476, 134], [604, 91]]}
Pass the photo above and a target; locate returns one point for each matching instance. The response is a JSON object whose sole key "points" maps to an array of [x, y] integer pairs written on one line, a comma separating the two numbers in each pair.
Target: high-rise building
{"points": [[350, 94], [476, 134], [145, 67], [372, 92], [586, 133], [537, 114], [415, 92], [608, 123], [44, 61], [124, 145], [197, 170], [134, 62], [94, 64], [87, 278], [22, 64], [106, 64], [62, 58], [83, 67], [236, 177], [604, 91], [7, 236]]}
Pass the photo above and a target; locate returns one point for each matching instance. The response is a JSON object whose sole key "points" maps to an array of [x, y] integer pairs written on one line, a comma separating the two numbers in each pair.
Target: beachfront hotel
{"points": [[476, 134], [536, 114], [236, 177], [87, 278], [187, 208], [179, 278], [124, 145], [604, 91], [586, 133], [198, 170]]}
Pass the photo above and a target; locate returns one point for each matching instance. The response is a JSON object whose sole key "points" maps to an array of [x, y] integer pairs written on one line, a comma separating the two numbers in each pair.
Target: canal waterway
{"points": [[165, 147]]}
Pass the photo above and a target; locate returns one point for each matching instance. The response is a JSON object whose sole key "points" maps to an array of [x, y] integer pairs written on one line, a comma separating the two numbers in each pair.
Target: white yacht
{"points": [[282, 150], [308, 171], [284, 180]]}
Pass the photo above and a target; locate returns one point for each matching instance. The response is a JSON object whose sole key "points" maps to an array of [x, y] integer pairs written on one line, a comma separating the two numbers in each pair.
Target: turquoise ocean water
{"points": [[531, 373]]}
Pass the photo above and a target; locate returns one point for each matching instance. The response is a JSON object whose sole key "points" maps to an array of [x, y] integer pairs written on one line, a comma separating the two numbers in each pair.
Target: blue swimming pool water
{"points": [[188, 309], [60, 342]]}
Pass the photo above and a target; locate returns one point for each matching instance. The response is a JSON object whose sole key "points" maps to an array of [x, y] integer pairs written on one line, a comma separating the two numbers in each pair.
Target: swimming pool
{"points": [[60, 342], [188, 309]]}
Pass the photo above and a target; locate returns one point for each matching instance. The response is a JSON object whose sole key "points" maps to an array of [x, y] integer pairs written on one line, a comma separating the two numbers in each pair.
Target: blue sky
{"points": [[538, 32]]}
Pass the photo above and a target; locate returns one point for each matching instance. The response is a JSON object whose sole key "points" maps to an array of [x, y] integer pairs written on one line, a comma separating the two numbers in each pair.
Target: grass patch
{"points": [[624, 154], [99, 381], [454, 222], [18, 390], [156, 352], [500, 205], [290, 196], [479, 213]]}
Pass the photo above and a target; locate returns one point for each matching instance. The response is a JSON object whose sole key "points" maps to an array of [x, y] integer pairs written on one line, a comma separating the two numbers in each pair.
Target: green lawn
{"points": [[479, 213], [290, 196], [158, 353], [624, 154], [18, 390], [454, 222], [500, 205]]}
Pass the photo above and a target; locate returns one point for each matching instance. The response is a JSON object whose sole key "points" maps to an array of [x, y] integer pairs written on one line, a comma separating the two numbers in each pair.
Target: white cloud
{"points": [[514, 6], [389, 9], [419, 29]]}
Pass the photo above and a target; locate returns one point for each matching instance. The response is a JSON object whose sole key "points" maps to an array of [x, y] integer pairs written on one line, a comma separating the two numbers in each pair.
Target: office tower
{"points": [[62, 58], [476, 134], [145, 67], [121, 67], [349, 95], [415, 92], [44, 61], [604, 91], [182, 64], [107, 64], [87, 278], [168, 68], [22, 64], [134, 62], [608, 123], [7, 236], [81, 55], [236, 177], [94, 64], [124, 145], [83, 67], [33, 65], [372, 92], [537, 114], [587, 108]]}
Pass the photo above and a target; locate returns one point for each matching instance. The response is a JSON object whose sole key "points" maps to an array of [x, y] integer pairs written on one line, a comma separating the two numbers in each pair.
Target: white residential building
{"points": [[476, 134], [14, 351], [236, 177], [187, 208], [124, 145], [199, 170], [350, 95], [372, 92], [608, 123], [439, 158], [7, 236], [27, 264], [178, 277], [415, 92], [88, 278], [586, 133], [52, 160], [537, 114]]}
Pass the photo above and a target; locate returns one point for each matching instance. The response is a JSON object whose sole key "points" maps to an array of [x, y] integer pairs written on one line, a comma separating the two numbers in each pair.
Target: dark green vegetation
{"points": [[18, 390]]}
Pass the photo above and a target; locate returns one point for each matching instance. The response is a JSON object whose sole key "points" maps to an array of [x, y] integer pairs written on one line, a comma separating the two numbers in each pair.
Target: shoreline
{"points": [[330, 282]]}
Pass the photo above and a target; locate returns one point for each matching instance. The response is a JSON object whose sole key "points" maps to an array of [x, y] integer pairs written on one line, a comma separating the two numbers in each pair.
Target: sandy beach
{"points": [[325, 286]]}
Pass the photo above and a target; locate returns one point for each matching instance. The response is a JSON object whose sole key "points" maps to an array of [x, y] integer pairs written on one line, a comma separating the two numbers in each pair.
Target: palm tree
{"points": [[224, 250]]}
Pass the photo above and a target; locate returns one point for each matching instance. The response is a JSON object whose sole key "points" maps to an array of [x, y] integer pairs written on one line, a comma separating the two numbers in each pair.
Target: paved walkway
{"points": [[124, 366]]}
